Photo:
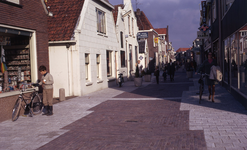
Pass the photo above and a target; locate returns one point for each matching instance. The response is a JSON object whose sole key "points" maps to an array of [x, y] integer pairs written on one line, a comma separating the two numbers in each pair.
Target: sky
{"points": [[182, 17]]}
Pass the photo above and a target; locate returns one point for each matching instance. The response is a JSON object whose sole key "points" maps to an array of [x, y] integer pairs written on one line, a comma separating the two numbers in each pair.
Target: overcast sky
{"points": [[182, 17]]}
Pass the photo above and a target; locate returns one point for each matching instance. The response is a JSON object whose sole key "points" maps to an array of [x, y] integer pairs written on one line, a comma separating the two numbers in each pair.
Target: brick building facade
{"points": [[24, 43]]}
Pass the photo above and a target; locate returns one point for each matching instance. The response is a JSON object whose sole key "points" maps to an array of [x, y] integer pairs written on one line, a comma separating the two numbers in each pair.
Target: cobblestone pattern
{"points": [[224, 122]]}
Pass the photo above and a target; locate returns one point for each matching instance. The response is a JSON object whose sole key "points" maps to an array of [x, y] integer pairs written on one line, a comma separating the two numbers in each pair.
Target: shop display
{"points": [[16, 56]]}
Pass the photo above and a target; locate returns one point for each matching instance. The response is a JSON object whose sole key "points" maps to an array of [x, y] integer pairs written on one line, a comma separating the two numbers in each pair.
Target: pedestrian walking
{"points": [[47, 84], [171, 68], [206, 67], [157, 73], [164, 72]]}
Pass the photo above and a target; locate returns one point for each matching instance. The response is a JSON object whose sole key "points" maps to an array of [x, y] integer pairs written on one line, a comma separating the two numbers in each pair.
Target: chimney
{"points": [[138, 12]]}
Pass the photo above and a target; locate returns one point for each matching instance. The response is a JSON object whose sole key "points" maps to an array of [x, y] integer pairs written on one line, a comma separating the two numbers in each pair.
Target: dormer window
{"points": [[101, 25]]}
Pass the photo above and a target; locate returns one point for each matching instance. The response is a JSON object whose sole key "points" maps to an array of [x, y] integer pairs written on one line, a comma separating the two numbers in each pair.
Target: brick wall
{"points": [[31, 16]]}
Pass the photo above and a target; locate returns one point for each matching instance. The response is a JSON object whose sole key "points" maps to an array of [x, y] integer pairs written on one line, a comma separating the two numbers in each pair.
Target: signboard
{"points": [[140, 57], [204, 12], [142, 35], [201, 35], [156, 40]]}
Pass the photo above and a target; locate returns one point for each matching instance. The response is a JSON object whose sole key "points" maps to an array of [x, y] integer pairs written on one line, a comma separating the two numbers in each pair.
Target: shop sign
{"points": [[204, 12], [142, 35], [201, 35], [140, 57], [150, 58]]}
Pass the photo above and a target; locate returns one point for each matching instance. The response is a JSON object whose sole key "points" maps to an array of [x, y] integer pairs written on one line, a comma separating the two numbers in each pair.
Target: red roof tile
{"points": [[142, 21], [182, 49], [65, 16], [115, 11], [161, 30]]}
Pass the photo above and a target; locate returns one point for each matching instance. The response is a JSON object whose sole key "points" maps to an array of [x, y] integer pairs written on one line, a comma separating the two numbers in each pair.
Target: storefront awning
{"points": [[14, 31]]}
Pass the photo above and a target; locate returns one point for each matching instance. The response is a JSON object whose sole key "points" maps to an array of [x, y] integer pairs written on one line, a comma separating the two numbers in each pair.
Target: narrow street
{"points": [[163, 116]]}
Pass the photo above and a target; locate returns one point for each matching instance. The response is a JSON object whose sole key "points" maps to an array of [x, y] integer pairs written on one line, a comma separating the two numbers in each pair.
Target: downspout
{"points": [[68, 49]]}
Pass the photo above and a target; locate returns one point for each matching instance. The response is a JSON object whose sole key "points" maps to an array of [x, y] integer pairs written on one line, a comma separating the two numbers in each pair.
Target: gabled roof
{"points": [[161, 30], [65, 16], [182, 49], [115, 11], [142, 21]]}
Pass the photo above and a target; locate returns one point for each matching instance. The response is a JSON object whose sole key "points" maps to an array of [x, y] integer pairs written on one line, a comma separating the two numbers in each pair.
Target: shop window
{"points": [[98, 65], [101, 23], [122, 53], [234, 62], [243, 61], [226, 61], [15, 56], [87, 66], [109, 63]]}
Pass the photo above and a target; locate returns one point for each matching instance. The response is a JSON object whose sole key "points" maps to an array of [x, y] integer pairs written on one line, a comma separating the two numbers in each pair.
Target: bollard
{"points": [[61, 94]]}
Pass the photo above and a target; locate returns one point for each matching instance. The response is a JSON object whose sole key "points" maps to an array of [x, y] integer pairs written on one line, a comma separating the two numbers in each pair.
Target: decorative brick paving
{"points": [[132, 125]]}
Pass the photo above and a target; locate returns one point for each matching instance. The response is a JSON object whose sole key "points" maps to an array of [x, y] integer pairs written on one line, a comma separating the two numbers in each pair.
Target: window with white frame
{"points": [[109, 63], [121, 39], [132, 26], [98, 65], [101, 23], [87, 66], [129, 23]]}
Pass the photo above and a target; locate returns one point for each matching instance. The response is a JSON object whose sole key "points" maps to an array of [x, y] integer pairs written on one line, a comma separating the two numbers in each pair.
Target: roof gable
{"points": [[142, 21], [65, 16], [115, 11], [161, 30]]}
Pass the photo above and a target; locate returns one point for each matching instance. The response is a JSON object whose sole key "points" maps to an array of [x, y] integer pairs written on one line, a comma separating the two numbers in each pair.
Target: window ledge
{"points": [[13, 93], [89, 83], [100, 81], [101, 34], [111, 79]]}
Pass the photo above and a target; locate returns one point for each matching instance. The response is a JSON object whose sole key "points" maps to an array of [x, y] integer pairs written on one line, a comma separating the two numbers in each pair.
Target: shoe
{"points": [[50, 112], [46, 110]]}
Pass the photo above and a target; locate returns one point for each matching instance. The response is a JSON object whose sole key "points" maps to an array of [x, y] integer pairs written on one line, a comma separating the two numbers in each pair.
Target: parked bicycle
{"points": [[32, 103], [201, 87]]}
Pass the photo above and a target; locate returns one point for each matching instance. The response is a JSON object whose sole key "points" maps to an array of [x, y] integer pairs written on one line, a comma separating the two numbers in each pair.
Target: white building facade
{"points": [[91, 58]]}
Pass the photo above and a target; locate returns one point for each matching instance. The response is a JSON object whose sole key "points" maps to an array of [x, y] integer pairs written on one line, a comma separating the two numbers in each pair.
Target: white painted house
{"points": [[126, 29], [83, 48]]}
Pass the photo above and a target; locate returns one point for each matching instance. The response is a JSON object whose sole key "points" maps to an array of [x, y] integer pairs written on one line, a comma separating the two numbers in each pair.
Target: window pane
{"points": [[109, 63]]}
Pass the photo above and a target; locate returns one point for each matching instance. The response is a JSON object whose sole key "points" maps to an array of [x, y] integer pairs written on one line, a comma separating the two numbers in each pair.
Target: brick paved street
{"points": [[164, 116]]}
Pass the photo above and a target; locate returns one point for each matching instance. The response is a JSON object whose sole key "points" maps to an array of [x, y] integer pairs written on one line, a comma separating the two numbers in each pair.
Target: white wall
{"points": [[89, 41]]}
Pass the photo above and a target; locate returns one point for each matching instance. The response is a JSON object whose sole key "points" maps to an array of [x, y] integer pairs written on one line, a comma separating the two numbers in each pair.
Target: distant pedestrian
{"points": [[171, 70], [47, 84], [157, 73], [206, 67]]}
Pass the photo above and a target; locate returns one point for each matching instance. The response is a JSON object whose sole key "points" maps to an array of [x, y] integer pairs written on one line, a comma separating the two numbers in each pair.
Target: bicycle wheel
{"points": [[36, 105], [200, 93], [16, 109]]}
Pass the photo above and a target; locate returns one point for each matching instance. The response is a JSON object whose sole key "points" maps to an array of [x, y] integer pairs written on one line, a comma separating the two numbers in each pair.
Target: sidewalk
{"points": [[224, 122]]}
